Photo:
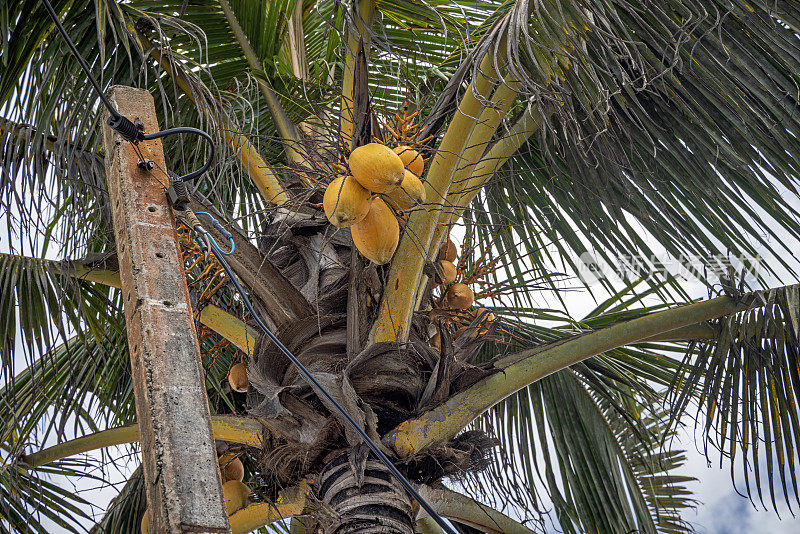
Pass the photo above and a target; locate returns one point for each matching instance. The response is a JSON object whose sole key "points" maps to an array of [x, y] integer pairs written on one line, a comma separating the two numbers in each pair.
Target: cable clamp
{"points": [[130, 131], [178, 194]]}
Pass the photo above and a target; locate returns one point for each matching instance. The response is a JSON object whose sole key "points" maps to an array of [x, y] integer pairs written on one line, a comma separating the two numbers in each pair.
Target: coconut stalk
{"points": [[524, 368], [394, 317], [291, 502], [260, 172], [287, 129], [466, 510], [358, 30], [231, 428], [464, 192]]}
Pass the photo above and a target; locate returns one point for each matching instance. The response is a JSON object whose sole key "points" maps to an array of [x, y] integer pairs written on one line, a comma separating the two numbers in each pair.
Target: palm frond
{"points": [[41, 306], [50, 169], [126, 510], [85, 381], [29, 502], [75, 388], [587, 440], [747, 386], [601, 472], [670, 122]]}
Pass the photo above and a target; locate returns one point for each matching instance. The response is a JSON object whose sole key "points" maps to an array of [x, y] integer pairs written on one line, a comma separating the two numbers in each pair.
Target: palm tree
{"points": [[551, 130]]}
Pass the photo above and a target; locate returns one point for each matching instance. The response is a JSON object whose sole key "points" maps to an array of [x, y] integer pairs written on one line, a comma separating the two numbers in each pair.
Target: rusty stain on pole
{"points": [[183, 488]]}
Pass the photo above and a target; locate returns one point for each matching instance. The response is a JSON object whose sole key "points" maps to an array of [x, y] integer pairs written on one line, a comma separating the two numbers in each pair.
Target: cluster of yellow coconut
{"points": [[457, 296], [381, 181], [236, 493]]}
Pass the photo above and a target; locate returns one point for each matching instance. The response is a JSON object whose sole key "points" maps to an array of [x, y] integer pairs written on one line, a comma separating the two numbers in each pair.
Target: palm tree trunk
{"points": [[363, 499]]}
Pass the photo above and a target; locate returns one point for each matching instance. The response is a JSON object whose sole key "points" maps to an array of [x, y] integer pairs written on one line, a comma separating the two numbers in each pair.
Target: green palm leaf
{"points": [[600, 471], [42, 306], [125, 512], [664, 140], [588, 434], [747, 385], [31, 503]]}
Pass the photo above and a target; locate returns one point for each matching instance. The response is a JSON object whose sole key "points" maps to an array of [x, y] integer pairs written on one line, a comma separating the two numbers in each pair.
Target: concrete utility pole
{"points": [[183, 487]]}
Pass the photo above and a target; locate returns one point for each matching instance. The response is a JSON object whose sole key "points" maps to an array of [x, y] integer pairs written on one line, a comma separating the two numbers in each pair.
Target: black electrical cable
{"points": [[187, 129], [84, 66], [122, 124], [321, 390]]}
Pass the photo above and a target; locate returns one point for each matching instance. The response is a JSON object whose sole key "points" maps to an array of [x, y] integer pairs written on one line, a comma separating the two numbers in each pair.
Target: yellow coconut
{"points": [[237, 378], [376, 167], [448, 252], [145, 526], [445, 272], [377, 235], [410, 193], [232, 470], [236, 494], [460, 296], [412, 160], [345, 202]]}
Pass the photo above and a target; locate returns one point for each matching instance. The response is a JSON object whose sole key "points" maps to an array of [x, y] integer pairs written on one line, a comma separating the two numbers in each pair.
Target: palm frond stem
{"points": [[526, 367], [231, 428], [261, 173], [473, 156], [460, 197], [394, 317], [297, 526], [692, 332], [426, 525], [286, 127], [228, 326], [464, 509]]}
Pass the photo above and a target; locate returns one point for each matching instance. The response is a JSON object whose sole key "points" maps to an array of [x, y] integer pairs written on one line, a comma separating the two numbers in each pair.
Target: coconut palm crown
{"points": [[549, 131]]}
